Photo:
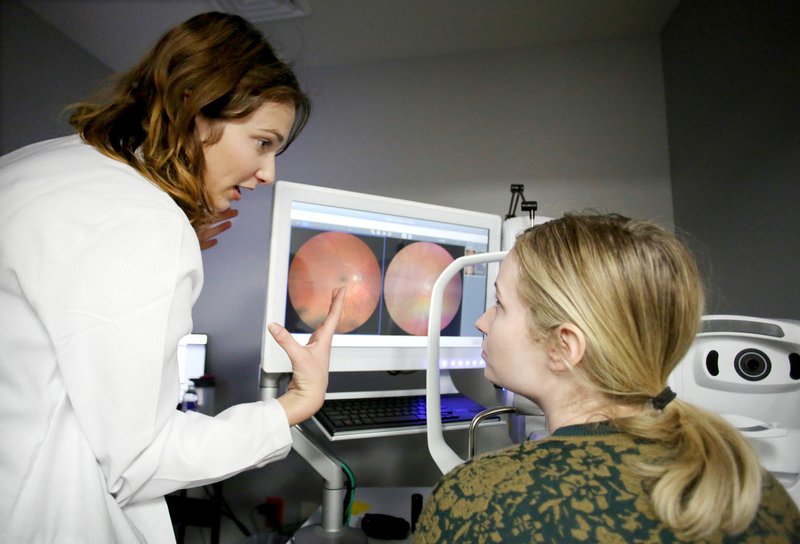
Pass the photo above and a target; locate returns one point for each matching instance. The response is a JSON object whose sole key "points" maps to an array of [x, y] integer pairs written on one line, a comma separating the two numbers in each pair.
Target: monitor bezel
{"points": [[406, 353]]}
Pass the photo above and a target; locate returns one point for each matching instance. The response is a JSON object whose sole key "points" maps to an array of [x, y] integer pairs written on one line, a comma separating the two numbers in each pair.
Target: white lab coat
{"points": [[99, 269]]}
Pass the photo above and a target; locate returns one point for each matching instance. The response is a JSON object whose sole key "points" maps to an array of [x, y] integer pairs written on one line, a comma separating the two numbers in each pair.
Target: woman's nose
{"points": [[484, 322], [266, 174]]}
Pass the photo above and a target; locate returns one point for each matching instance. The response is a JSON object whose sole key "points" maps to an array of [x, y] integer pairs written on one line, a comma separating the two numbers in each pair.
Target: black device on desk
{"points": [[342, 416]]}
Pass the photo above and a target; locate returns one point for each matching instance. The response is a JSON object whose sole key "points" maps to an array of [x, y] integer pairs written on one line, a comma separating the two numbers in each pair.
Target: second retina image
{"points": [[388, 280]]}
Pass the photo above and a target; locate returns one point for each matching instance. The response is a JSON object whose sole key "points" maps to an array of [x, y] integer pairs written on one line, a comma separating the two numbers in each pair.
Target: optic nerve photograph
{"points": [[325, 262]]}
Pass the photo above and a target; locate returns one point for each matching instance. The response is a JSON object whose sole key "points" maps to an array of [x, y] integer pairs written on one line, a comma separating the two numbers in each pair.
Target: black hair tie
{"points": [[663, 398]]}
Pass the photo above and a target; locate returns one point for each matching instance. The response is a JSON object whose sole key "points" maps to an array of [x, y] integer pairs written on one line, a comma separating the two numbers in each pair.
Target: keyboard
{"points": [[346, 415]]}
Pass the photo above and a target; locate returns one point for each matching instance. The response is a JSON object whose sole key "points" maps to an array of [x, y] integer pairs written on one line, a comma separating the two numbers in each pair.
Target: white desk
{"points": [[394, 501]]}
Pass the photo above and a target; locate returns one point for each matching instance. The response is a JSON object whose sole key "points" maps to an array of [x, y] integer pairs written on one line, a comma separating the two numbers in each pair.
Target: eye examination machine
{"points": [[524, 417], [747, 369]]}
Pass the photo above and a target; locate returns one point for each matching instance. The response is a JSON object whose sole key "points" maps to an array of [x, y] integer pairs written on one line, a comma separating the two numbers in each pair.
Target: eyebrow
{"points": [[275, 133]]}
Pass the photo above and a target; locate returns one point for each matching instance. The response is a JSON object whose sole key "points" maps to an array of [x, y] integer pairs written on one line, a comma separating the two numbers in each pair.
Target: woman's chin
{"points": [[222, 205]]}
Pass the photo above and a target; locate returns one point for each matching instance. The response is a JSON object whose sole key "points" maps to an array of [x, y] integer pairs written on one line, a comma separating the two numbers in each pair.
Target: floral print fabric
{"points": [[572, 487]]}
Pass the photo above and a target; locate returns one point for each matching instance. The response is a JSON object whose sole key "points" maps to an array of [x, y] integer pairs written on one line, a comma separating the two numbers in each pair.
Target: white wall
{"points": [[578, 125], [41, 72], [732, 87]]}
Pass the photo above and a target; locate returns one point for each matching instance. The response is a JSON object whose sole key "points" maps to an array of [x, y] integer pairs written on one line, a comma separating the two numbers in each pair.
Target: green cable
{"points": [[352, 488]]}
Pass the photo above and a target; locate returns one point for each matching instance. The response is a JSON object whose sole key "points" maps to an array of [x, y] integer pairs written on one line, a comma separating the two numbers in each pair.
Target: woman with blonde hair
{"points": [[99, 268], [593, 313]]}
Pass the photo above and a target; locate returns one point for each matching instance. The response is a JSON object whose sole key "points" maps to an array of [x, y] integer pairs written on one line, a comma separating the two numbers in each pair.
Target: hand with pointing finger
{"points": [[306, 391]]}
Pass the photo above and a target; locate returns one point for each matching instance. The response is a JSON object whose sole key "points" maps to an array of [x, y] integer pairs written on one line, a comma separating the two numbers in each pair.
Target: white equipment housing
{"points": [[747, 369], [443, 455]]}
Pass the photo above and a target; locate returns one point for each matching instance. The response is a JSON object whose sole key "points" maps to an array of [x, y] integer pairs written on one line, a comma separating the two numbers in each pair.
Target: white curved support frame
{"points": [[444, 457]]}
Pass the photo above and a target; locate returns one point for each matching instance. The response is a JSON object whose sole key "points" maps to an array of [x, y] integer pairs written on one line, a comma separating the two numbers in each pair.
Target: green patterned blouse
{"points": [[572, 487]]}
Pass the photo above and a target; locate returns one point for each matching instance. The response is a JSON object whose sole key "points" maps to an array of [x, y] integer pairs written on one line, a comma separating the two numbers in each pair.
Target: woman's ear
{"points": [[202, 128], [569, 346]]}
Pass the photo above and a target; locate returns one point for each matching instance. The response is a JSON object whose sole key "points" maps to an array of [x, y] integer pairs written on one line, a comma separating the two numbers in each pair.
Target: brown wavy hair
{"points": [[215, 65], [634, 290]]}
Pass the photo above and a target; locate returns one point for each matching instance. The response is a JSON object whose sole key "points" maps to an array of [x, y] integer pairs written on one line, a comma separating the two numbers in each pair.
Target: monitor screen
{"points": [[388, 253]]}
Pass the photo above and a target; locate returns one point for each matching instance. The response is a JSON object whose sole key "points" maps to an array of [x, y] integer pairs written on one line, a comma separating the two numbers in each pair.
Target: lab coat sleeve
{"points": [[115, 310]]}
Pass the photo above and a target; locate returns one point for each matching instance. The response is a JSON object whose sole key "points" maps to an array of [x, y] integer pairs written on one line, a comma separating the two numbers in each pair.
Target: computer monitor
{"points": [[388, 253]]}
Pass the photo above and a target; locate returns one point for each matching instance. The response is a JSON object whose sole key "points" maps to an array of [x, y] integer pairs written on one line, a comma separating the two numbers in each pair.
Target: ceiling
{"points": [[335, 32]]}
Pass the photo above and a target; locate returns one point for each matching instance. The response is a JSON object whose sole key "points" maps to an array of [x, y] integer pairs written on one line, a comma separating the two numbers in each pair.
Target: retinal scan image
{"points": [[388, 280]]}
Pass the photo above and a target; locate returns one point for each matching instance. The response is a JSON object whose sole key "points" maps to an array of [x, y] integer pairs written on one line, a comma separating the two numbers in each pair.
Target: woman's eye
{"points": [[264, 144]]}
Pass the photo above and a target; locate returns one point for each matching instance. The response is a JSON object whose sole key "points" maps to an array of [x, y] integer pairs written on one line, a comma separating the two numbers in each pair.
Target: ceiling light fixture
{"points": [[259, 11]]}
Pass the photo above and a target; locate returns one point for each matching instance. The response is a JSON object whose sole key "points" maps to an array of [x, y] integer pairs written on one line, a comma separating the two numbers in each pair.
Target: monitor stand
{"points": [[315, 534], [332, 530]]}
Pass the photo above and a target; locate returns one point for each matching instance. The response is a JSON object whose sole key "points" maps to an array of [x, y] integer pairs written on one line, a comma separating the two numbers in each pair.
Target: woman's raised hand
{"points": [[208, 235], [306, 391]]}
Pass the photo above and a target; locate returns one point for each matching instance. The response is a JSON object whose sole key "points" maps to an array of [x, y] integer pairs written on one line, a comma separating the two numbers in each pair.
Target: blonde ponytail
{"points": [[712, 478]]}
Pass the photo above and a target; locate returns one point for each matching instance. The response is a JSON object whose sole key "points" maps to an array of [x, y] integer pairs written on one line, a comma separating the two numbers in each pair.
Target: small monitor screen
{"points": [[191, 359], [387, 253]]}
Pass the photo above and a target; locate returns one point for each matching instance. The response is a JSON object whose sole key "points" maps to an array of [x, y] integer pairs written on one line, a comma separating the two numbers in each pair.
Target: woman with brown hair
{"points": [[99, 268], [593, 313]]}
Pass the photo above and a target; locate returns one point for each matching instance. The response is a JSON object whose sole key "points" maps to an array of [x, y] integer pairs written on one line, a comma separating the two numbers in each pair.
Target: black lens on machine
{"points": [[752, 364]]}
